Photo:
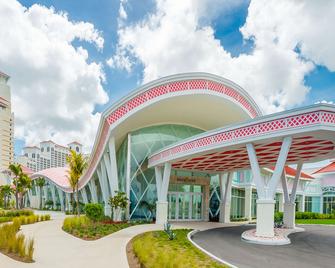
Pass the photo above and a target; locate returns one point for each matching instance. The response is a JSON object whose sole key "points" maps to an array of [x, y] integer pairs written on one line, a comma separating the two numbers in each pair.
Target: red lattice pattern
{"points": [[200, 84], [259, 129], [302, 148]]}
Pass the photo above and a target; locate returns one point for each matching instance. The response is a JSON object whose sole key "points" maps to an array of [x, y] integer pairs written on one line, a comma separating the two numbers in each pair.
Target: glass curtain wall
{"points": [[143, 142], [237, 203]]}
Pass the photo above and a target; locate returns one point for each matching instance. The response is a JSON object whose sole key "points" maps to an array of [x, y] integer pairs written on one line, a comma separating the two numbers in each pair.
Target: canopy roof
{"points": [[57, 175], [291, 172], [313, 139]]}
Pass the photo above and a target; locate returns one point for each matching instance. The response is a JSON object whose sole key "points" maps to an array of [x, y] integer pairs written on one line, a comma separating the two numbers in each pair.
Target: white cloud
{"points": [[174, 38], [54, 88]]}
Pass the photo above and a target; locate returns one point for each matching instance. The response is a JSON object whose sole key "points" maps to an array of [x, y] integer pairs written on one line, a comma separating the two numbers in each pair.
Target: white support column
{"points": [[84, 195], [53, 194], [104, 189], [289, 205], [281, 202], [113, 166], [45, 196], [68, 201], [247, 202], [266, 202], [128, 175], [38, 193], [61, 199], [93, 190], [162, 204], [302, 203], [225, 186]]}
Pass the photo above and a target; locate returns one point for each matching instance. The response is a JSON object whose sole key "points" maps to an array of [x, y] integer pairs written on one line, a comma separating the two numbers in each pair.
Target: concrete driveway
{"points": [[313, 248]]}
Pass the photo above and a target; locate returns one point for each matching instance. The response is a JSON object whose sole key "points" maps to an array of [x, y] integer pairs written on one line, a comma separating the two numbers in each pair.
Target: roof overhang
{"points": [[312, 129]]}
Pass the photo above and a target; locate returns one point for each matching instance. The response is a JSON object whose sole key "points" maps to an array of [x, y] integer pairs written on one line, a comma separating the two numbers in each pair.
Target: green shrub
{"points": [[94, 212], [71, 223], [16, 213]]}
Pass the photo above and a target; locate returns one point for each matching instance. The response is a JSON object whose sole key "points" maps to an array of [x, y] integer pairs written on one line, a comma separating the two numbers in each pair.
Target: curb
{"points": [[189, 237]]}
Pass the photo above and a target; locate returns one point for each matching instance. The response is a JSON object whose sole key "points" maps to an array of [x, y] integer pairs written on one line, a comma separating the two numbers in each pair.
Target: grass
{"points": [[16, 245], [155, 250], [315, 221], [87, 229]]}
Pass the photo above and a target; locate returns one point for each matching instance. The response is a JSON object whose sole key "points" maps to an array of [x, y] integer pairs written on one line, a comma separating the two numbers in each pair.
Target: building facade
{"points": [[47, 155], [197, 147], [6, 124]]}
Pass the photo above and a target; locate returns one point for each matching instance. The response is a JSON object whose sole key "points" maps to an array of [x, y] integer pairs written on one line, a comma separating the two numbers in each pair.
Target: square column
{"points": [[265, 215], [162, 184], [289, 215], [161, 212], [225, 193], [281, 202], [247, 202]]}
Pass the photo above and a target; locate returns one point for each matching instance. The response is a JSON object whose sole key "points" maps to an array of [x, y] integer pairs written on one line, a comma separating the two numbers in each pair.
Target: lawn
{"points": [[315, 221], [155, 250], [87, 229]]}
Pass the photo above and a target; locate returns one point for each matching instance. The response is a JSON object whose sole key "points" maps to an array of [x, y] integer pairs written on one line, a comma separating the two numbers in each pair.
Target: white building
{"points": [[48, 155], [6, 124]]}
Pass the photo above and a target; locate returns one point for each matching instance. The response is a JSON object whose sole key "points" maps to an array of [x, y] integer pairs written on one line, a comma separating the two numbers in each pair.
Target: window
{"points": [[48, 149], [33, 155], [52, 149], [308, 203], [328, 204], [77, 149], [237, 203], [42, 149]]}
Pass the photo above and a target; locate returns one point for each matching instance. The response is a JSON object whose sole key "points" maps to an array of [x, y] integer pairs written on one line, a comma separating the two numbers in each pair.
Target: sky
{"points": [[69, 60]]}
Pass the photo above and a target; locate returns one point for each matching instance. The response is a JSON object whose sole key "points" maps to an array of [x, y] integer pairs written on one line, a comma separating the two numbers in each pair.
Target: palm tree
{"points": [[24, 186], [6, 192], [73, 183], [40, 182], [77, 164], [16, 171]]}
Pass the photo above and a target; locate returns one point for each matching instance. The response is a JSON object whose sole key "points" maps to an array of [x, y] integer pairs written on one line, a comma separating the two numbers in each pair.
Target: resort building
{"points": [[199, 148], [6, 124], [48, 155]]}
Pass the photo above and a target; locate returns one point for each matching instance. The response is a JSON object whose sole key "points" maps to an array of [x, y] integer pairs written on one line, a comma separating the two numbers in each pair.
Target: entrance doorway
{"points": [[185, 206]]}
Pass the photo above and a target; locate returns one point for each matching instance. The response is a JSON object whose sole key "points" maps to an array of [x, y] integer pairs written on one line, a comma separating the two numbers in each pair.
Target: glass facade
{"points": [[254, 197], [237, 203], [144, 142], [328, 204]]}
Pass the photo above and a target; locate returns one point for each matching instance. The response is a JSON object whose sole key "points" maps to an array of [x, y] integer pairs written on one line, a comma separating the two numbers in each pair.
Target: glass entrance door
{"points": [[185, 206]]}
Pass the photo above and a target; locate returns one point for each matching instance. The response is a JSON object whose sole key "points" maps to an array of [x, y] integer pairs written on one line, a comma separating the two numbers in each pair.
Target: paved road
{"points": [[313, 248]]}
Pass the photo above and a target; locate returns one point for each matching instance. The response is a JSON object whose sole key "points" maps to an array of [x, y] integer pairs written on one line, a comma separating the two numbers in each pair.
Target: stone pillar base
{"points": [[265, 218], [161, 212], [224, 213], [289, 215]]}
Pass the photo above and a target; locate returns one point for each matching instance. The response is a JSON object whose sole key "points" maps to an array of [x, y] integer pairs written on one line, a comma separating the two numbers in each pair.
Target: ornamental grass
{"points": [[16, 245]]}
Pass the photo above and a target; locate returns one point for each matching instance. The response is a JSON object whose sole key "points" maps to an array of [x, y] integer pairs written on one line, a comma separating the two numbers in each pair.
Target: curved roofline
{"points": [[181, 77]]}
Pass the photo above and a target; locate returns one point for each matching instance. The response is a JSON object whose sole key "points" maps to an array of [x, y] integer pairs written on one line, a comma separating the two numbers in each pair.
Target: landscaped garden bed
{"points": [[87, 229], [315, 221], [156, 250]]}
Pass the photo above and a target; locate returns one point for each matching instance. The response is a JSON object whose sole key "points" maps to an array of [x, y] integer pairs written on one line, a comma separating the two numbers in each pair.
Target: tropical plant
{"points": [[21, 182], [77, 165], [94, 212], [6, 192], [16, 171], [118, 202], [40, 182], [168, 231]]}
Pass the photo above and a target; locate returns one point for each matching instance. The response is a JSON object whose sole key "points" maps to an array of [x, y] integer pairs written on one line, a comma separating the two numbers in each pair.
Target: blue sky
{"points": [[104, 15]]}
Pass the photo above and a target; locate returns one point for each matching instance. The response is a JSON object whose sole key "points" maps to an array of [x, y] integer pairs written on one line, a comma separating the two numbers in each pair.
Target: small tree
{"points": [[77, 164], [6, 192], [40, 182], [16, 172], [118, 202]]}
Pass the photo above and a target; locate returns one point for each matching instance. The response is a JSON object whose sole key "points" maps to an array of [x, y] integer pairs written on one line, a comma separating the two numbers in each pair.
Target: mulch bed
{"points": [[16, 257], [133, 261]]}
